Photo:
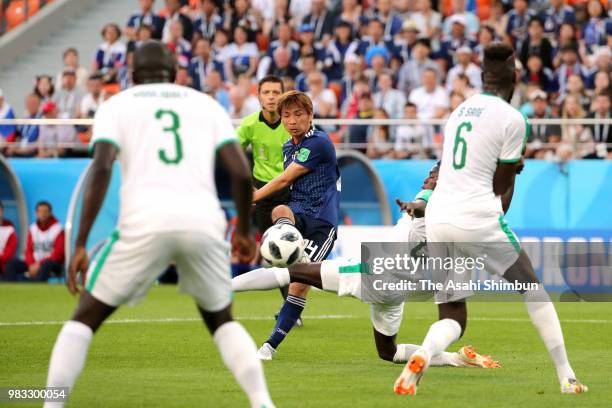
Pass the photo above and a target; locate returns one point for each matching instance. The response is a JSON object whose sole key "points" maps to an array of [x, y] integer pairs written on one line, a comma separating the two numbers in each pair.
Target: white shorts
{"points": [[494, 243], [128, 265], [386, 318]]}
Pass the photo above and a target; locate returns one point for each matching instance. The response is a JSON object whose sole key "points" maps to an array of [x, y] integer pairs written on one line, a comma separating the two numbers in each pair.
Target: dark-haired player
{"points": [[311, 170], [343, 276], [166, 138], [483, 143]]}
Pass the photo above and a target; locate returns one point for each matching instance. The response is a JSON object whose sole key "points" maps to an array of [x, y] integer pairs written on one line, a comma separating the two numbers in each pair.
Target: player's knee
{"points": [[282, 211]]}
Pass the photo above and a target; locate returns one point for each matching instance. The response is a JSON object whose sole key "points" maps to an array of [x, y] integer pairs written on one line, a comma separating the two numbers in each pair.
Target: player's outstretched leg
{"points": [[70, 350], [544, 317], [238, 352], [441, 334]]}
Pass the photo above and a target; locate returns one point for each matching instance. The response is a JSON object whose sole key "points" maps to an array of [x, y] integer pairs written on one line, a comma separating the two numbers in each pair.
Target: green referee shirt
{"points": [[267, 142]]}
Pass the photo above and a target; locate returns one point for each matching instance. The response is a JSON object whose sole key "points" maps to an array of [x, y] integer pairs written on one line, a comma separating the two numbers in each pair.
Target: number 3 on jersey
{"points": [[460, 146], [163, 156]]}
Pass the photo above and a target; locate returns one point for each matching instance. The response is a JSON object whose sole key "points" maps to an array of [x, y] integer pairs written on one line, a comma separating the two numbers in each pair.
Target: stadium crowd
{"points": [[355, 59]]}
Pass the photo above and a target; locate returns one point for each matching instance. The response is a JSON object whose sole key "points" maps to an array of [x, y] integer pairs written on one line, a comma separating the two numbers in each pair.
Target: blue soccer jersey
{"points": [[317, 193]]}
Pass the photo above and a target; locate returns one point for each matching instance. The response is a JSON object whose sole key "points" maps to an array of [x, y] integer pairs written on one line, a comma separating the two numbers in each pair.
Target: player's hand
{"points": [[79, 263], [412, 208], [243, 247]]}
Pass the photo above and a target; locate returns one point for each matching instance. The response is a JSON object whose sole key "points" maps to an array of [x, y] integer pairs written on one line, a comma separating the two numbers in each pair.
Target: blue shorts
{"points": [[318, 234]]}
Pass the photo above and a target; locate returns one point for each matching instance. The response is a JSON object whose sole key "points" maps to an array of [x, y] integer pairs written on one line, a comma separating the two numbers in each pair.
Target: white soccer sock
{"points": [[544, 317], [404, 351], [441, 334], [238, 352], [68, 356], [261, 279], [330, 276]]}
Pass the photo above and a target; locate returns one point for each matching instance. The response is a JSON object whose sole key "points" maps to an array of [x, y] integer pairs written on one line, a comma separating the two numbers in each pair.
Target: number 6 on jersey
{"points": [[458, 165]]}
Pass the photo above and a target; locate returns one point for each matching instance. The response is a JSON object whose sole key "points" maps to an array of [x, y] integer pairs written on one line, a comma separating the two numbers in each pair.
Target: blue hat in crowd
{"points": [[374, 51], [306, 28]]}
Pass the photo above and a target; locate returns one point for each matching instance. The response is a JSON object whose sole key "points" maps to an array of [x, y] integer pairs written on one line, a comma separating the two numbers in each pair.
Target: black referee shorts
{"points": [[263, 208]]}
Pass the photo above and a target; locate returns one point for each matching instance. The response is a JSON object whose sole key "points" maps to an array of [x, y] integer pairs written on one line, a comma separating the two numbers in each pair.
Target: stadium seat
{"points": [[16, 12], [262, 41]]}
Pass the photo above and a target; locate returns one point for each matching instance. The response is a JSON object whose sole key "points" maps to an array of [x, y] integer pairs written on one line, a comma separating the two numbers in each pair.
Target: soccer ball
{"points": [[282, 245]]}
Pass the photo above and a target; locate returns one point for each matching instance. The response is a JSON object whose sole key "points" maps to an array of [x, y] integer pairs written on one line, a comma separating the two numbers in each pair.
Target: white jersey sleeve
{"points": [[224, 131], [516, 135], [106, 127]]}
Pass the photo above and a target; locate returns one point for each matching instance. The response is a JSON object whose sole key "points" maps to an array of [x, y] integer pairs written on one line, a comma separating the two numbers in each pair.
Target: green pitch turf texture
{"points": [[159, 354]]}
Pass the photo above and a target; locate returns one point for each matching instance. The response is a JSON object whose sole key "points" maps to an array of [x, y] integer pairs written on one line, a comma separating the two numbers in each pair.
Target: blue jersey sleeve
{"points": [[314, 151]]}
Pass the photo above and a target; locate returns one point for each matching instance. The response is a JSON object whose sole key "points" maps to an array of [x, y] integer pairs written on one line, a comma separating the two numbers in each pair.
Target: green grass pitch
{"points": [[159, 354]]}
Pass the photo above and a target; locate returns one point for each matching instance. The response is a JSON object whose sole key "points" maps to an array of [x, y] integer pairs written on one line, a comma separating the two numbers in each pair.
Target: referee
{"points": [[266, 135]]}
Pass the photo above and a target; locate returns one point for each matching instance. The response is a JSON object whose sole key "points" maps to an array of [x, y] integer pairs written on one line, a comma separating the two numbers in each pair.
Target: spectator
{"points": [[428, 21], [182, 77], [469, 20], [220, 46], [284, 40], [518, 20], [456, 40], [249, 88], [8, 242], [321, 20], [241, 16], [556, 15], [238, 106], [351, 11], [603, 64], [338, 48], [409, 36], [110, 54], [461, 85], [566, 39], [430, 98], [242, 56], [543, 138], [144, 33], [68, 98], [282, 17], [575, 87], [208, 21], [180, 47], [376, 40], [455, 99], [536, 44], [389, 99], [216, 89], [602, 82], [537, 73], [571, 66], [360, 86], [173, 7], [576, 140], [377, 60], [288, 83], [602, 134], [594, 31], [44, 88], [392, 23], [379, 137], [44, 254], [283, 67], [71, 60], [8, 133], [308, 45], [124, 73], [465, 66], [411, 141], [412, 71], [52, 139], [324, 101], [358, 134], [94, 97], [352, 71], [202, 64], [28, 134], [486, 35], [498, 19], [145, 16], [308, 66]]}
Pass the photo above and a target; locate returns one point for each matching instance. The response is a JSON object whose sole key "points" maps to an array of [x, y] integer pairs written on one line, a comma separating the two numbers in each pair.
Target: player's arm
{"points": [[282, 181], [96, 184], [235, 163]]}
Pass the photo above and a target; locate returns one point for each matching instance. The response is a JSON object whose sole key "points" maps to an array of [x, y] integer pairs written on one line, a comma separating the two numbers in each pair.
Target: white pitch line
{"points": [[167, 320]]}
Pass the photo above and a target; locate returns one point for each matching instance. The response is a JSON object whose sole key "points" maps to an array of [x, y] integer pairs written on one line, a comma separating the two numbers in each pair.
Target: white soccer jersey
{"points": [[480, 132], [167, 136]]}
